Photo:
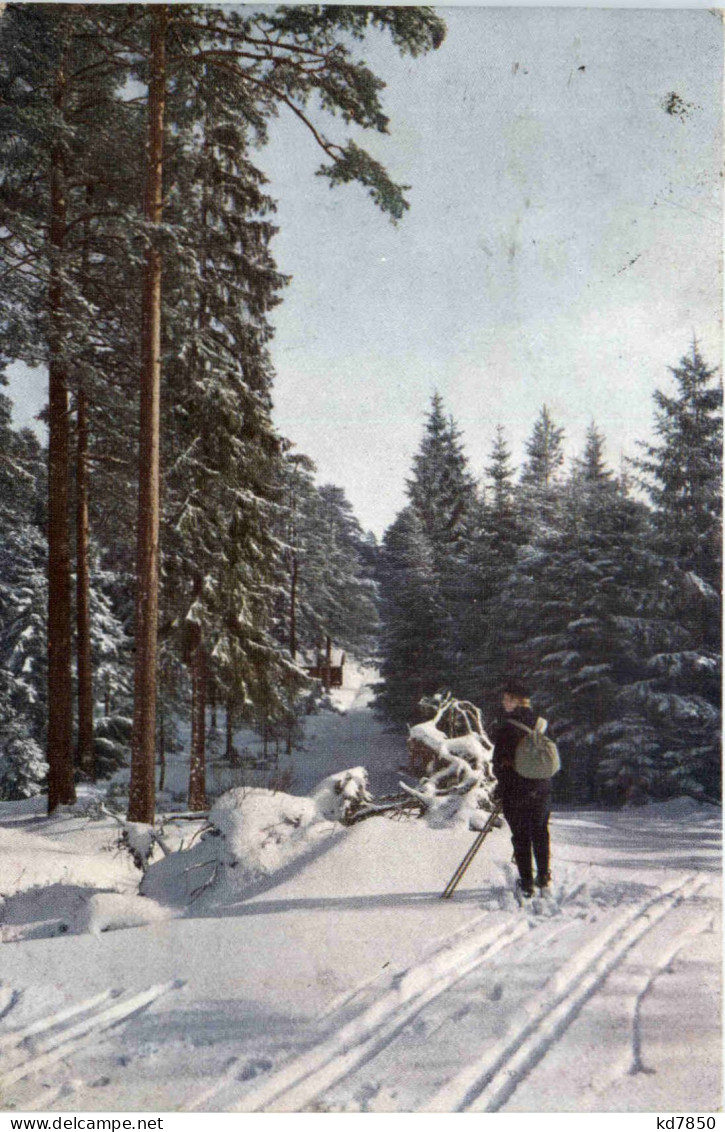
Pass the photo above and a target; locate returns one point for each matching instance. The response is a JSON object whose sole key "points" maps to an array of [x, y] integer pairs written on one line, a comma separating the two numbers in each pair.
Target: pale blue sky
{"points": [[509, 283], [563, 242]]}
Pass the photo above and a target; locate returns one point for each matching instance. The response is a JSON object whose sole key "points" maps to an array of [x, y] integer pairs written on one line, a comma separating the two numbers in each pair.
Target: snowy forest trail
{"points": [[346, 983], [350, 735]]}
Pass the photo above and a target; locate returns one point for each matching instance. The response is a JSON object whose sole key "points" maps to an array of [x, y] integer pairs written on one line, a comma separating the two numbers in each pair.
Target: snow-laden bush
{"points": [[259, 828], [23, 768], [339, 796]]}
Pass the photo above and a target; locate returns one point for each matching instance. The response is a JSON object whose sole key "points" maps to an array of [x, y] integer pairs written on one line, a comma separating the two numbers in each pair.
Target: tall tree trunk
{"points": [[86, 753], [293, 608], [162, 752], [61, 787], [197, 762], [141, 804], [230, 751]]}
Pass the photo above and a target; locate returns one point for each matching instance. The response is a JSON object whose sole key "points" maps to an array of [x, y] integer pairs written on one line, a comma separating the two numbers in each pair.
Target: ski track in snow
{"points": [[299, 1082], [9, 997], [631, 1006], [50, 1021], [50, 1039], [489, 1082], [348, 996]]}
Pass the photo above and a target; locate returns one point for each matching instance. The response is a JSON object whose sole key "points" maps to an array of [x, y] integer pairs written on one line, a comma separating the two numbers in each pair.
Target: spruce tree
{"points": [[411, 612], [545, 452], [345, 606], [682, 471], [591, 468], [682, 474], [495, 543], [441, 489], [222, 565], [443, 493], [330, 591], [501, 475]]}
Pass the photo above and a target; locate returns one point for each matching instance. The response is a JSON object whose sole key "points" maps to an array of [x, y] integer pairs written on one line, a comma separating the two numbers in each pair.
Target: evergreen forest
{"points": [[600, 591], [168, 555]]}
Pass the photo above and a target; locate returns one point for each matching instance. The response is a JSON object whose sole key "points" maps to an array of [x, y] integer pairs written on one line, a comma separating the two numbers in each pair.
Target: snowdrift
{"points": [[253, 835]]}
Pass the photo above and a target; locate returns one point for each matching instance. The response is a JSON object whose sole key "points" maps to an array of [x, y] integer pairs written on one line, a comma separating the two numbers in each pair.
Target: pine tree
{"points": [[23, 601], [545, 453], [59, 116], [443, 493], [411, 612], [682, 473], [222, 50]]}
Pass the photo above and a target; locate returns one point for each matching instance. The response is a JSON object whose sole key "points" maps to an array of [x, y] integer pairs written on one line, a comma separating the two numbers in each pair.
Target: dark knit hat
{"points": [[515, 687]]}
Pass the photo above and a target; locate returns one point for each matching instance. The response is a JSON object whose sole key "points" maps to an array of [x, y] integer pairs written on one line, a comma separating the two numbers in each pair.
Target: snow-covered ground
{"points": [[323, 972]]}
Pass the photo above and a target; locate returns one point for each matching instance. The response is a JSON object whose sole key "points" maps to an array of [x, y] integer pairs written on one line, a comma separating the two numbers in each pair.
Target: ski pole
{"points": [[458, 874]]}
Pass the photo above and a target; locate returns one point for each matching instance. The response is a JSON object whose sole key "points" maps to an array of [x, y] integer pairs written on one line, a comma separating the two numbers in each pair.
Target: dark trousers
{"points": [[528, 819]]}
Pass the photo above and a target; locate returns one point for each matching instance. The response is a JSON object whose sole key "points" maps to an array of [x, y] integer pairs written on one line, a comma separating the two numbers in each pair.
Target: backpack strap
{"points": [[522, 726]]}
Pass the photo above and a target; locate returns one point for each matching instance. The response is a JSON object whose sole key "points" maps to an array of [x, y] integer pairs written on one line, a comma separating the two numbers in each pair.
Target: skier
{"points": [[526, 801]]}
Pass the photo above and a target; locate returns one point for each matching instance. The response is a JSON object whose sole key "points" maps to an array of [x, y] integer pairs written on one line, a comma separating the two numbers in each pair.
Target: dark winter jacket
{"points": [[512, 786]]}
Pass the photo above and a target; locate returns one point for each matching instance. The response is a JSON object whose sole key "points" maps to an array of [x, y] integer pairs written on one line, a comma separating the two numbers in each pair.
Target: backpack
{"points": [[536, 755]]}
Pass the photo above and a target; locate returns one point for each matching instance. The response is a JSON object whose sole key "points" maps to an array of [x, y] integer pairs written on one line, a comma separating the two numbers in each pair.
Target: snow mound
{"points": [[68, 909], [253, 834], [28, 861], [681, 807], [140, 840], [111, 911]]}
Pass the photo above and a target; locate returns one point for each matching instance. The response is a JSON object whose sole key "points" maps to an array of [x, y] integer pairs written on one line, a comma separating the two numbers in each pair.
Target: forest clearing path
{"points": [[350, 735]]}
